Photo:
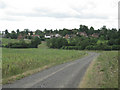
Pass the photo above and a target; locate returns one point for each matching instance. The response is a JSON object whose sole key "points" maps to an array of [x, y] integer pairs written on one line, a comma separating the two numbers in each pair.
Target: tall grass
{"points": [[17, 61], [5, 41], [103, 72]]}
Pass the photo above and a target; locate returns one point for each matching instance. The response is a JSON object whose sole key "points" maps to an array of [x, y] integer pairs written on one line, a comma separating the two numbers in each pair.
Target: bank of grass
{"points": [[18, 63], [103, 71]]}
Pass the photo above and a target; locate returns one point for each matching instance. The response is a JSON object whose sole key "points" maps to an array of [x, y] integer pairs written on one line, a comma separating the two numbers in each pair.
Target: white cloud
{"points": [[52, 14]]}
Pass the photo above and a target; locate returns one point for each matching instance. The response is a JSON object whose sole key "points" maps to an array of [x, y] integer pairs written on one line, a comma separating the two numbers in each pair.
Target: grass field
{"points": [[5, 41], [17, 63], [103, 72]]}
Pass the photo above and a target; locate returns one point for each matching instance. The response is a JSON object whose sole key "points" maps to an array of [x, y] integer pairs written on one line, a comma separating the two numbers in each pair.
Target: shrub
{"points": [[116, 47], [34, 44], [57, 42]]}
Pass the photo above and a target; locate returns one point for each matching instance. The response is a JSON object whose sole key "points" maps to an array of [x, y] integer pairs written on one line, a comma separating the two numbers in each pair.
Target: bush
{"points": [[57, 43], [72, 47], [34, 44], [90, 47], [18, 45], [116, 47]]}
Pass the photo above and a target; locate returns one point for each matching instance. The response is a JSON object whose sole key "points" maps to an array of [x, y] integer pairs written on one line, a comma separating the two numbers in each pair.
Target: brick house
{"points": [[67, 36], [36, 36], [96, 35], [82, 34], [21, 37]]}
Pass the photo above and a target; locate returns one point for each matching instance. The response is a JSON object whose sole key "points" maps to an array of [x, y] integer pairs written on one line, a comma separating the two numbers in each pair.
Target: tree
{"points": [[31, 33], [35, 42], [57, 42], [6, 31], [91, 31], [18, 31], [26, 31], [7, 35], [13, 35], [83, 28]]}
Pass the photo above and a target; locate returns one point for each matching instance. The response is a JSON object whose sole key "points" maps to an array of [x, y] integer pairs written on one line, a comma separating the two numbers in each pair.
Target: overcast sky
{"points": [[57, 14]]}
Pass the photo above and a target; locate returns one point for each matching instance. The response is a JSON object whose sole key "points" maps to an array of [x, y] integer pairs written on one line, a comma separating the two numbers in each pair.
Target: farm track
{"points": [[67, 75]]}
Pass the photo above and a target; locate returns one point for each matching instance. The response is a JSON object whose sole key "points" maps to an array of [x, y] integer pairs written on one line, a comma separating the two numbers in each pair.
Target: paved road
{"points": [[67, 75]]}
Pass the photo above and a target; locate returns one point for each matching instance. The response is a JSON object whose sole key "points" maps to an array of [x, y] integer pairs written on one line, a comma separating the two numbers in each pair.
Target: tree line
{"points": [[104, 32], [108, 38]]}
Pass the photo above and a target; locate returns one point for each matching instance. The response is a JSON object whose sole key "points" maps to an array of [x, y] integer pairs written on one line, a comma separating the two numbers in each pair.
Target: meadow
{"points": [[5, 41], [103, 71], [18, 63]]}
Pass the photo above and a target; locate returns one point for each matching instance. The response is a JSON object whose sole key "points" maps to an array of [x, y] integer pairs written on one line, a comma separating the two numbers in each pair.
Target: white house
{"points": [[48, 36], [57, 35]]}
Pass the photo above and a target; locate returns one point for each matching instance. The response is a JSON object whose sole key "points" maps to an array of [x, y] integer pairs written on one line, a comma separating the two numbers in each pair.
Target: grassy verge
{"points": [[103, 72], [18, 63]]}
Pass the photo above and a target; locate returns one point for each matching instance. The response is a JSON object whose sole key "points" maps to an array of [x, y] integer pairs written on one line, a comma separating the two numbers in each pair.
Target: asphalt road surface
{"points": [[67, 75]]}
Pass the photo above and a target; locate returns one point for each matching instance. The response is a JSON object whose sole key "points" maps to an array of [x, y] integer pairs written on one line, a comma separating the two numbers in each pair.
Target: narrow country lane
{"points": [[67, 75]]}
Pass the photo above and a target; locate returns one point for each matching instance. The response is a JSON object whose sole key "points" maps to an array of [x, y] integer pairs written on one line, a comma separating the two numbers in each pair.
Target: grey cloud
{"points": [[43, 12], [2, 5], [91, 15], [81, 15], [10, 19]]}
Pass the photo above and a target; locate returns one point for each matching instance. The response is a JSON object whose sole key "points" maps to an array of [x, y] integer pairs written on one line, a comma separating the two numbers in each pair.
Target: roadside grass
{"points": [[102, 72], [18, 63]]}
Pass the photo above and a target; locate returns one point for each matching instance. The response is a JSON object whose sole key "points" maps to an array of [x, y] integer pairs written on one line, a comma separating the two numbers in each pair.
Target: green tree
{"points": [[35, 42], [18, 31], [31, 33], [57, 42], [13, 35], [26, 31], [6, 31]]}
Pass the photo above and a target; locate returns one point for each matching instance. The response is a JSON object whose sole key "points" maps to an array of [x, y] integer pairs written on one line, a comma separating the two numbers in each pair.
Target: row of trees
{"points": [[82, 43], [103, 32]]}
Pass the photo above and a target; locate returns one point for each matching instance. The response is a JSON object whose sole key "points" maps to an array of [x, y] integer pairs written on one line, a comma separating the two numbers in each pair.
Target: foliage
{"points": [[57, 42], [22, 44], [106, 39], [35, 42]]}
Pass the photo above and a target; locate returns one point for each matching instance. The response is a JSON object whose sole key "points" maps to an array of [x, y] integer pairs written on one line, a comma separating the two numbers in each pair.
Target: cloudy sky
{"points": [[57, 14]]}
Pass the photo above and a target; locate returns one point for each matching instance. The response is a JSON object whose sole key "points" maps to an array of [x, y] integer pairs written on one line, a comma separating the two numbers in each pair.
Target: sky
{"points": [[57, 14]]}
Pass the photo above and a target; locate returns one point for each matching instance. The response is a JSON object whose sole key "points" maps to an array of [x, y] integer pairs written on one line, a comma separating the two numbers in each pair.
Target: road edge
{"points": [[83, 82]]}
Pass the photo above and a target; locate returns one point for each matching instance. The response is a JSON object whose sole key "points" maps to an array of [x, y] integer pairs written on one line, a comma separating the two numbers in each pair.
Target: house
{"points": [[48, 36], [57, 35], [96, 35], [29, 34], [33, 33], [82, 34], [21, 37], [2, 33], [36, 36], [67, 36]]}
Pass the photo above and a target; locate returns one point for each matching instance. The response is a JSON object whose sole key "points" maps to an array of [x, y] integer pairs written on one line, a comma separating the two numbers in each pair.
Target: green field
{"points": [[18, 61], [103, 72], [5, 41]]}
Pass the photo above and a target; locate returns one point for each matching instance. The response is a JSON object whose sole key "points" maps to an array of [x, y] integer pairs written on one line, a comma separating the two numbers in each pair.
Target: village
{"points": [[51, 35]]}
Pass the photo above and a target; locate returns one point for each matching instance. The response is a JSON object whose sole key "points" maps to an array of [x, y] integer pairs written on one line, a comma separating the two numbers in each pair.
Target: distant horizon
{"points": [[58, 29]]}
